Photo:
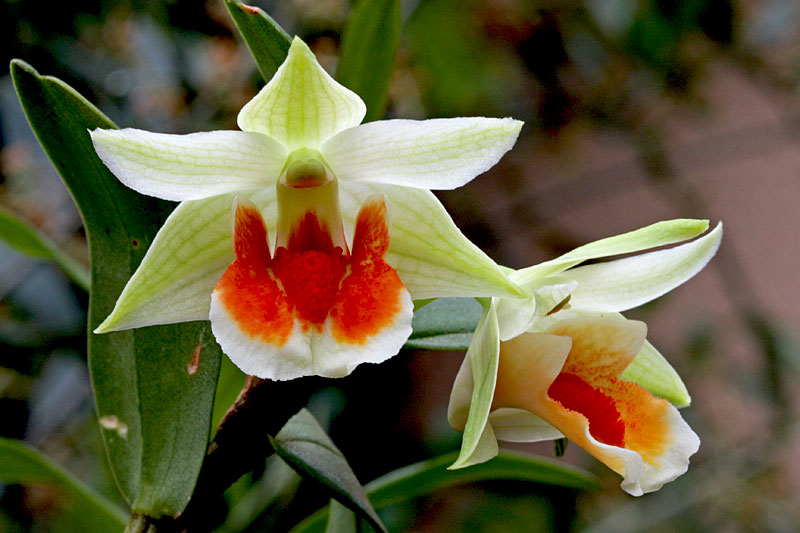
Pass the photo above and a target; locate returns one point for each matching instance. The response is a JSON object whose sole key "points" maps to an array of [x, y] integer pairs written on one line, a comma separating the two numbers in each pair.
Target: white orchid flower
{"points": [[303, 303], [565, 363]]}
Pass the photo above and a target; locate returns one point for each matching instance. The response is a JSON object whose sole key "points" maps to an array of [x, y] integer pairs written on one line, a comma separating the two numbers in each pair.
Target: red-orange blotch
{"points": [[247, 290], [371, 296]]}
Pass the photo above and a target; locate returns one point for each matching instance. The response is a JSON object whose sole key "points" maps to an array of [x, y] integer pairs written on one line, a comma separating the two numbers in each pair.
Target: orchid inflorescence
{"points": [[334, 233]]}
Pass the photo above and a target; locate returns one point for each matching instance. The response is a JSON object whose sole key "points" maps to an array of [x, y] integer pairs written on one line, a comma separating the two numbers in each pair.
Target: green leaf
{"points": [[368, 51], [425, 477], [26, 239], [20, 464], [445, 324], [304, 445], [266, 40], [153, 403]]}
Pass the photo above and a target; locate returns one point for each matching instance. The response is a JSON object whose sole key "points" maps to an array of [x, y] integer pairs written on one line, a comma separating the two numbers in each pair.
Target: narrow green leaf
{"points": [[267, 41], [154, 387], [445, 324], [26, 239], [425, 477], [368, 51], [20, 464], [304, 445]]}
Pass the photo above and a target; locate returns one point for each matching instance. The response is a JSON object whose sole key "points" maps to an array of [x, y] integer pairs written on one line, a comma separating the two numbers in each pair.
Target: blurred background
{"points": [[635, 111]]}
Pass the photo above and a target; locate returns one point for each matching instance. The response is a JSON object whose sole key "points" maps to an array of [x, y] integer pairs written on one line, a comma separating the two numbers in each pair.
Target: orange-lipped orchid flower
{"points": [[307, 166], [564, 362], [569, 376]]}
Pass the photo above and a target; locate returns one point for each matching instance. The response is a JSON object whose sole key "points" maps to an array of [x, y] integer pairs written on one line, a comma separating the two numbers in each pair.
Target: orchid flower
{"points": [[303, 303], [565, 363]]}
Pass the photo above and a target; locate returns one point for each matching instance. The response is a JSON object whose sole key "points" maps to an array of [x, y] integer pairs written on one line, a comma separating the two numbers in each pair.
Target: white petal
{"points": [[190, 167], [302, 105], [630, 282], [291, 360], [335, 359], [632, 464], [461, 393], [183, 264], [652, 236], [483, 355], [675, 460], [457, 413], [428, 154], [485, 449], [431, 255], [515, 315]]}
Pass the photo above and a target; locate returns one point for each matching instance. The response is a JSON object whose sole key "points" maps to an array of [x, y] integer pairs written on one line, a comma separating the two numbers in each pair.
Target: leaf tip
{"points": [[17, 63], [18, 67], [250, 10]]}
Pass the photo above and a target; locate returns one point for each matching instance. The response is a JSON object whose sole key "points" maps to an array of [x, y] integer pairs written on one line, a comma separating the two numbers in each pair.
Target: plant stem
{"points": [[241, 445]]}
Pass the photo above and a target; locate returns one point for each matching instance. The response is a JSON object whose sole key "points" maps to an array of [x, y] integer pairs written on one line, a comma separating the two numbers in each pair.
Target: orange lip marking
{"points": [[311, 270], [247, 289], [645, 417], [370, 297]]}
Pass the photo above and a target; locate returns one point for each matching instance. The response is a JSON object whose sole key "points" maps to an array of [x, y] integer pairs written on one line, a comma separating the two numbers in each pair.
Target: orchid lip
{"points": [[299, 311]]}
